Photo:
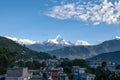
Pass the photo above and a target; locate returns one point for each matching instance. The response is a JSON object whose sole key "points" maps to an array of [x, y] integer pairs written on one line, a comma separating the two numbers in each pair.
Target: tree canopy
{"points": [[7, 59]]}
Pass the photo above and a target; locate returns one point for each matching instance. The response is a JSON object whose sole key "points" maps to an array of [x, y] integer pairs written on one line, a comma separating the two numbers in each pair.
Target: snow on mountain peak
{"points": [[26, 41], [58, 40], [12, 38], [22, 41], [81, 42], [117, 37], [58, 37]]}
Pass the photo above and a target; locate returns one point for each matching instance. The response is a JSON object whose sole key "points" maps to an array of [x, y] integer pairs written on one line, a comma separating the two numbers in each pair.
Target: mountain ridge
{"points": [[111, 56], [87, 51], [48, 45], [57, 47]]}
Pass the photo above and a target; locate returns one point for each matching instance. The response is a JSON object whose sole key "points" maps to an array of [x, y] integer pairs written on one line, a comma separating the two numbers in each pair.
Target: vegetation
{"points": [[7, 59], [75, 62], [31, 64], [110, 56], [67, 65], [118, 66], [101, 72], [24, 53], [10, 52]]}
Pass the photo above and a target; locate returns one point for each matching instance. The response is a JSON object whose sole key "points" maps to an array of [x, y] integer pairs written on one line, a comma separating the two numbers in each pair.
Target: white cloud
{"points": [[105, 11], [22, 41], [62, 12], [81, 42]]}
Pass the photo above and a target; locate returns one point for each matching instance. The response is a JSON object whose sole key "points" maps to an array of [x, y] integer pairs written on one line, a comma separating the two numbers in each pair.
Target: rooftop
{"points": [[16, 72]]}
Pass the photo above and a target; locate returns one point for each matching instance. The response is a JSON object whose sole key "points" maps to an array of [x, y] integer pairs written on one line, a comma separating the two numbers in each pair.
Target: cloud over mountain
{"points": [[81, 42], [97, 12]]}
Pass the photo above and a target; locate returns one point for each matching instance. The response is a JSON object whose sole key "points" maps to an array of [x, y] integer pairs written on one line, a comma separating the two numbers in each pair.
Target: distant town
{"points": [[63, 69]]}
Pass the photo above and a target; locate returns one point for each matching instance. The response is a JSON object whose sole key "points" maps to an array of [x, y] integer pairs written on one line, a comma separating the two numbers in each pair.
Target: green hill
{"points": [[23, 52], [111, 56]]}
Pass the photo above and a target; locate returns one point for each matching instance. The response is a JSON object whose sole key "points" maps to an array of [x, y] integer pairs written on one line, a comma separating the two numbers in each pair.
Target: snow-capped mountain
{"points": [[58, 41], [81, 42], [51, 44], [117, 37], [48, 45], [22, 41]]}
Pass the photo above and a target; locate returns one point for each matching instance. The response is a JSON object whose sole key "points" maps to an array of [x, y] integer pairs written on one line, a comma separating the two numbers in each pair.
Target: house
{"points": [[77, 69], [63, 76], [52, 62], [95, 63], [86, 76], [54, 74], [98, 62], [18, 74], [80, 74], [2, 77]]}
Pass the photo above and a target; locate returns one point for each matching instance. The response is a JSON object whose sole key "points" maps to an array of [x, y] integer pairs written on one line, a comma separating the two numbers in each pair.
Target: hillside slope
{"points": [[111, 56], [24, 52]]}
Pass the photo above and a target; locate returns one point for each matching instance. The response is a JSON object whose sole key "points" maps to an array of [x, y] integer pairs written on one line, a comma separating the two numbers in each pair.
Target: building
{"points": [[52, 62], [80, 74], [86, 76], [63, 76], [2, 77], [95, 63], [18, 74], [98, 62], [77, 69], [54, 74]]}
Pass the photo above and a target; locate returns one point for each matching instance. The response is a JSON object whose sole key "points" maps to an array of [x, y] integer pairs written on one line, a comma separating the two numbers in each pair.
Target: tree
{"points": [[20, 64], [104, 64], [7, 59], [29, 64], [118, 66], [43, 64], [90, 70], [79, 62], [67, 69], [54, 57], [102, 74]]}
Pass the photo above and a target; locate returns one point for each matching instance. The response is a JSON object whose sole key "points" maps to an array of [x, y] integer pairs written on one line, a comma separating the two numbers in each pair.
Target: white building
{"points": [[80, 74], [18, 74], [63, 76]]}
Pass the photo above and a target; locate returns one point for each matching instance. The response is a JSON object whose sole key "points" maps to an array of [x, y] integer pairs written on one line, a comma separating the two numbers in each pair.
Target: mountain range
{"points": [[64, 48], [48, 45], [85, 51]]}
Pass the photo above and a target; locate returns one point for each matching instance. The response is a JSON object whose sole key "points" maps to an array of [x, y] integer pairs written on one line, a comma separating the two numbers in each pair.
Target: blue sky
{"points": [[72, 19]]}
